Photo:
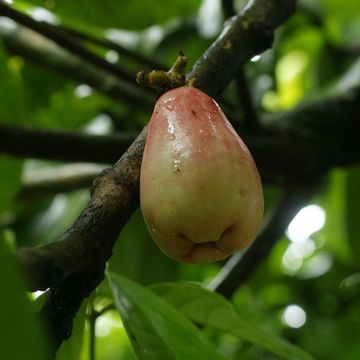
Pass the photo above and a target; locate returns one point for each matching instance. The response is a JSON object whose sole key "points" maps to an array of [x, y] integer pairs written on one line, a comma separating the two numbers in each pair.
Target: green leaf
{"points": [[71, 348], [135, 14], [152, 264], [21, 337], [10, 170], [334, 230], [208, 308], [62, 212], [352, 209], [172, 331], [12, 96], [146, 342], [41, 84], [343, 9], [67, 110], [185, 35]]}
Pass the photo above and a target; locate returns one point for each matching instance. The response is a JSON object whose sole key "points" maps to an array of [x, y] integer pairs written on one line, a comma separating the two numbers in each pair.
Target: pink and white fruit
{"points": [[200, 191]]}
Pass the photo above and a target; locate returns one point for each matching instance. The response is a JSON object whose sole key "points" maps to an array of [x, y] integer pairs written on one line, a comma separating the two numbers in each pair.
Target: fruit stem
{"points": [[179, 66], [164, 80]]}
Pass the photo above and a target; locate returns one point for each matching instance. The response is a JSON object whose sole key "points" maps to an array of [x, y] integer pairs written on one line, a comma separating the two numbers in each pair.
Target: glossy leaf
{"points": [[208, 308], [174, 333], [146, 342]]}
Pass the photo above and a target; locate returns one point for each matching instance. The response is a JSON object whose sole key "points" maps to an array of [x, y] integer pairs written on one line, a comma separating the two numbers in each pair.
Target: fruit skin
{"points": [[200, 191]]}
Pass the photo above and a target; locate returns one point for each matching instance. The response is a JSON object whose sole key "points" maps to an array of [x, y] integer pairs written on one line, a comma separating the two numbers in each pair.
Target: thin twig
{"points": [[37, 48], [108, 44], [92, 328], [93, 316], [246, 100], [105, 309], [66, 42]]}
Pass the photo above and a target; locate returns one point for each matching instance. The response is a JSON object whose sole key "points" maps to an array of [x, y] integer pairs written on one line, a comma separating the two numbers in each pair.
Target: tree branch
{"points": [[326, 129], [60, 179], [242, 265], [242, 86], [73, 266], [63, 145], [244, 36]]}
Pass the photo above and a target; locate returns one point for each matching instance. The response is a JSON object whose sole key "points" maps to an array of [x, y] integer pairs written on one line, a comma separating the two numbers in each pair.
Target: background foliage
{"points": [[319, 273]]}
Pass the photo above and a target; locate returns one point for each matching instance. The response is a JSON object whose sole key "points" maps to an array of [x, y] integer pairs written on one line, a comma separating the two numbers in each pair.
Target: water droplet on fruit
{"points": [[176, 167], [175, 153], [169, 104]]}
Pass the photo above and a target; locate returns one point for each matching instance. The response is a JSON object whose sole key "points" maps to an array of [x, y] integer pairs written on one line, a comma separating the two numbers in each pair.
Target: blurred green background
{"points": [[308, 290]]}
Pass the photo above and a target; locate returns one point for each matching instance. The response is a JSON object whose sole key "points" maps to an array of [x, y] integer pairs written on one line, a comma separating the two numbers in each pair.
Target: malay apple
{"points": [[200, 191]]}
